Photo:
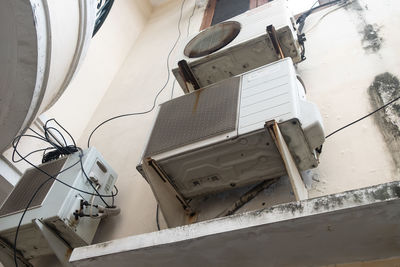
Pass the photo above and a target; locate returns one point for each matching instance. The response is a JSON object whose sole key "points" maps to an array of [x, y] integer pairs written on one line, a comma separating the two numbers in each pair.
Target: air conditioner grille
{"points": [[197, 116], [26, 187]]}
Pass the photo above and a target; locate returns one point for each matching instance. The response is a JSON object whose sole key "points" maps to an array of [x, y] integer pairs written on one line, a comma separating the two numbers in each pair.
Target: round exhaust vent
{"points": [[212, 39]]}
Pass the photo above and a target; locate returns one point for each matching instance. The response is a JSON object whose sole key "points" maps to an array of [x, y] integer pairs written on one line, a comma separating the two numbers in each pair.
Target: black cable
{"points": [[190, 18], [24, 158], [302, 19], [61, 149], [27, 207], [90, 181], [159, 92], [56, 179], [157, 219], [46, 134], [31, 153], [38, 134], [366, 116], [59, 125], [116, 193], [173, 87]]}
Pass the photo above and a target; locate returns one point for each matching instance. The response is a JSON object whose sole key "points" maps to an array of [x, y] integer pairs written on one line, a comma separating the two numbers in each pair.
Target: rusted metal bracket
{"points": [[247, 197], [186, 72], [176, 210], [299, 189], [275, 41], [60, 248]]}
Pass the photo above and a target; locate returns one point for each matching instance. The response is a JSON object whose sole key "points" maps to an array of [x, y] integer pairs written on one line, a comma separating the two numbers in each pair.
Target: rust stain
{"points": [[192, 218], [196, 102], [68, 254]]}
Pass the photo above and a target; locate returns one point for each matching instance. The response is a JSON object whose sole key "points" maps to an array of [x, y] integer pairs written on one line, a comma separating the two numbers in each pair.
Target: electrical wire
{"points": [[56, 179], [157, 219], [24, 158], [159, 92], [92, 202], [326, 14], [62, 148], [172, 90], [27, 207], [302, 19], [172, 95], [90, 181], [190, 18], [364, 117], [187, 35]]}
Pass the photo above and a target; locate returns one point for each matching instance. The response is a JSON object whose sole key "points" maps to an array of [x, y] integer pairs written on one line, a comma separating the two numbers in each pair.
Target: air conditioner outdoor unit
{"points": [[56, 205], [214, 138], [239, 45]]}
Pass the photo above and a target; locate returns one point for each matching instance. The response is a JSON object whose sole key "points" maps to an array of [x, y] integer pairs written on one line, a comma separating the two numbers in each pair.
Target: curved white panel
{"points": [[43, 44]]}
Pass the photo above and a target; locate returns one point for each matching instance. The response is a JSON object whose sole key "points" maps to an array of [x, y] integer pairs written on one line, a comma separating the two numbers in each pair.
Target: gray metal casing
{"points": [[206, 162], [58, 205]]}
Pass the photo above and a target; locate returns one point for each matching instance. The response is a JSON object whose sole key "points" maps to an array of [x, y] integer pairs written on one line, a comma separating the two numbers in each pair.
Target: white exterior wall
{"points": [[337, 74], [133, 90]]}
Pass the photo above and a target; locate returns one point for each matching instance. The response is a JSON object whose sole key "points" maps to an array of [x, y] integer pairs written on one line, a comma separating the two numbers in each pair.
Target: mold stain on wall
{"points": [[371, 40], [383, 89]]}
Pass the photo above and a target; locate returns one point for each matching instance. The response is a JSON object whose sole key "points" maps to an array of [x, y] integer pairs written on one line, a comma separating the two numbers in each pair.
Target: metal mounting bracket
{"points": [[299, 189], [61, 249]]}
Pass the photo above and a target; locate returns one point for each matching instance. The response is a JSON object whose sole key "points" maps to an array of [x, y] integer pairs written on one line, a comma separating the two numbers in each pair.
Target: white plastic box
{"points": [[56, 203]]}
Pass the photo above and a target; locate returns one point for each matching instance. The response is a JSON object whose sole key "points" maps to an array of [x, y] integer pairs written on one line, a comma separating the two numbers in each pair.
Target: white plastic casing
{"points": [[250, 49], [59, 205], [247, 153]]}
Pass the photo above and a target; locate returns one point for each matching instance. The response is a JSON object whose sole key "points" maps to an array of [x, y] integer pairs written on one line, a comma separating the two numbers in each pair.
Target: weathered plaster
{"points": [[352, 226]]}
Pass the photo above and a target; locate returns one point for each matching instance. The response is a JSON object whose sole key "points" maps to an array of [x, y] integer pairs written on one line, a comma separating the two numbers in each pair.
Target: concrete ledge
{"points": [[357, 225]]}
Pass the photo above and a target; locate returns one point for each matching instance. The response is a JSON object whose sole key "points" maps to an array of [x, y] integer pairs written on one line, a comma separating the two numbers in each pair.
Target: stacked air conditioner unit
{"points": [[239, 45], [238, 77], [215, 139]]}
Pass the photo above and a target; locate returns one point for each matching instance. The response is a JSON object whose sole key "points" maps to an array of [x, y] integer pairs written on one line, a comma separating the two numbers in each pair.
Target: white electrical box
{"points": [[239, 45], [56, 203], [215, 139]]}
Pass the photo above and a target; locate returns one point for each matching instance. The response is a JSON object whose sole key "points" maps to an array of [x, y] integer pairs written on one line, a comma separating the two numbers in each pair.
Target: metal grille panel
{"points": [[27, 186], [202, 114]]}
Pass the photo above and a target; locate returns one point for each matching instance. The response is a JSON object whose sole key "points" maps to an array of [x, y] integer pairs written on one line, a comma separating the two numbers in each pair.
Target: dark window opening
{"points": [[226, 9], [221, 10]]}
